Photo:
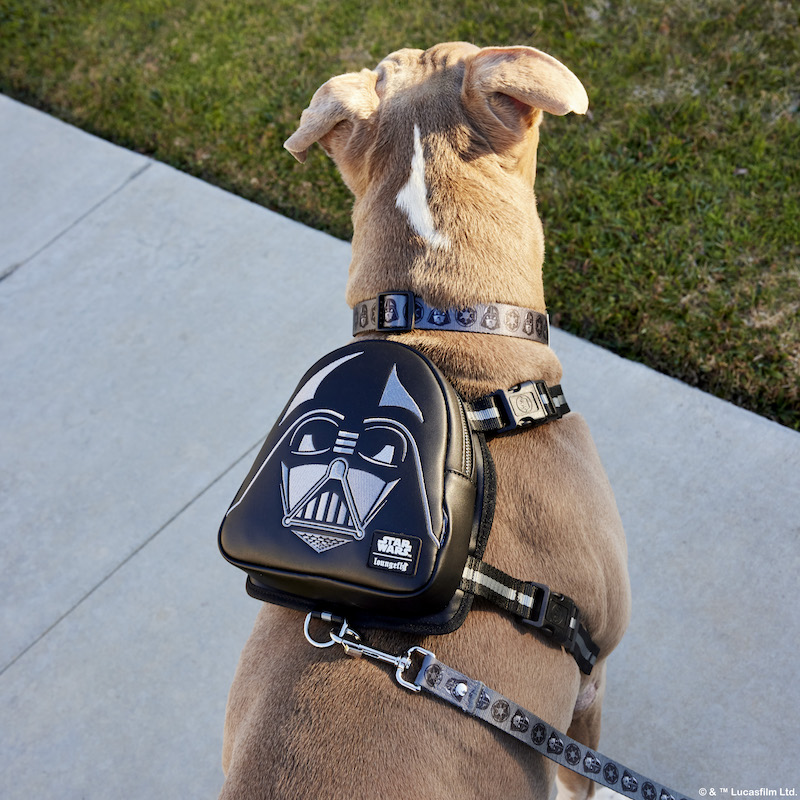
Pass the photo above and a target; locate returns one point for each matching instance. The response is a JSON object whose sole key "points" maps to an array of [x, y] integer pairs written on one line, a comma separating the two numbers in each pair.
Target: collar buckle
{"points": [[395, 312]]}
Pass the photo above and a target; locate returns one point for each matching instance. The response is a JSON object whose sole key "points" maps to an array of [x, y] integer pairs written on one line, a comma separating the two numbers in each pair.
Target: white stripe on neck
{"points": [[412, 199]]}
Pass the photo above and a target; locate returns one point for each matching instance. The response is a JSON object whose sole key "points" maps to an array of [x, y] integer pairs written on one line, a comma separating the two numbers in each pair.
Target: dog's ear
{"points": [[343, 99], [512, 82]]}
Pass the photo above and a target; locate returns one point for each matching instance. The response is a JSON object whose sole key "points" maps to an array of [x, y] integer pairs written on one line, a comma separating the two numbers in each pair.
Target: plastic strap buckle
{"points": [[561, 620], [527, 403], [541, 593], [558, 617], [396, 312]]}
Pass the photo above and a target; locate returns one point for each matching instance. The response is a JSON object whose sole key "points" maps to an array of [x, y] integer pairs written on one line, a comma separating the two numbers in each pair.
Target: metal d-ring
{"points": [[311, 640], [325, 616]]}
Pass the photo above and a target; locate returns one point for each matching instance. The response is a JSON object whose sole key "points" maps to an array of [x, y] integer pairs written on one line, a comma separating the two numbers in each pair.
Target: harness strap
{"points": [[525, 405], [554, 615], [478, 700]]}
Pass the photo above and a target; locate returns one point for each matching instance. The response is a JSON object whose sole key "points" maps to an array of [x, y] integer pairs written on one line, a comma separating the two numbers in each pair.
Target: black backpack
{"points": [[373, 495]]}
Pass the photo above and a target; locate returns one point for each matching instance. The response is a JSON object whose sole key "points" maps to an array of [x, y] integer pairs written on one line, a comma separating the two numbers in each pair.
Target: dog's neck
{"points": [[477, 364], [454, 234]]}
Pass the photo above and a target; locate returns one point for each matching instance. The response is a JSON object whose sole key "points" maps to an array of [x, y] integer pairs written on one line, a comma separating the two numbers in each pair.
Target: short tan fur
{"points": [[439, 150]]}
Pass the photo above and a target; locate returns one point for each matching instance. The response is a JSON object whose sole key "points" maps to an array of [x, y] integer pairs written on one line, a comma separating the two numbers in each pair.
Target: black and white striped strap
{"points": [[554, 615], [400, 312], [527, 404]]}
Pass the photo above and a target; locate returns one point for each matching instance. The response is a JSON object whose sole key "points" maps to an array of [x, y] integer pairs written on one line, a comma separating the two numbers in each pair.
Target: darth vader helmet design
{"points": [[338, 472], [365, 488], [347, 457]]}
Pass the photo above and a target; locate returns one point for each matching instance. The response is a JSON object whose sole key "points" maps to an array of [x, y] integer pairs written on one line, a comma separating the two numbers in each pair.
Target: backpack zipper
{"points": [[466, 458]]}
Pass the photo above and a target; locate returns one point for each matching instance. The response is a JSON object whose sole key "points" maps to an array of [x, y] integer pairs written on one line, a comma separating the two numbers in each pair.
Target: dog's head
{"points": [[439, 149]]}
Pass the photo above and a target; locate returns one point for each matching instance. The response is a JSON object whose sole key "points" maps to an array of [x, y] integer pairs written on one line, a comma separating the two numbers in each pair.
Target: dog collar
{"points": [[400, 312]]}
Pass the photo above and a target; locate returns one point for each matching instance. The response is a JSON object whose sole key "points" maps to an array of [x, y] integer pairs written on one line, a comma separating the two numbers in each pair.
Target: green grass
{"points": [[672, 211]]}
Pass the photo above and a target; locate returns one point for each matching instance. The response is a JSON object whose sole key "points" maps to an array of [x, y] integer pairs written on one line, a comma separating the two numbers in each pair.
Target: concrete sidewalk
{"points": [[151, 328]]}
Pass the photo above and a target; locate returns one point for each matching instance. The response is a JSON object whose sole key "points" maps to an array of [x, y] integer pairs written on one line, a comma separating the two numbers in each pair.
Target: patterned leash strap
{"points": [[478, 700]]}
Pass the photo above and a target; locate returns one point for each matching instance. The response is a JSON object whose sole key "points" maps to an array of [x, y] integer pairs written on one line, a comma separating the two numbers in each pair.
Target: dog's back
{"points": [[439, 149]]}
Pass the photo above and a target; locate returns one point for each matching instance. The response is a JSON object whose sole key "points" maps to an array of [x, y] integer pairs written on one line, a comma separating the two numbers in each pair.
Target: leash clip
{"points": [[353, 647]]}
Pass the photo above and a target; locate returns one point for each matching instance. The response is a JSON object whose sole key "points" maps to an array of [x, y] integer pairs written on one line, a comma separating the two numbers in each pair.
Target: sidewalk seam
{"points": [[132, 177], [129, 557]]}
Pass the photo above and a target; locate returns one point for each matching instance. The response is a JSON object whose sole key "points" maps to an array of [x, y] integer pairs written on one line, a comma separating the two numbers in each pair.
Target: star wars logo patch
{"points": [[394, 552]]}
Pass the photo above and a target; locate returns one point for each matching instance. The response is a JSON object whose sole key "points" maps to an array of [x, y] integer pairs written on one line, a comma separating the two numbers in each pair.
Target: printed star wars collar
{"points": [[391, 312]]}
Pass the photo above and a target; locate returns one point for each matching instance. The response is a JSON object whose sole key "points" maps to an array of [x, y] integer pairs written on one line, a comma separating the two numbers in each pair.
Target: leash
{"points": [[478, 700]]}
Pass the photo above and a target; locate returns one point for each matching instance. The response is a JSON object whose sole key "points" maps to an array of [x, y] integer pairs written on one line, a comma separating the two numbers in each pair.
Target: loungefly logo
{"points": [[339, 469], [394, 552]]}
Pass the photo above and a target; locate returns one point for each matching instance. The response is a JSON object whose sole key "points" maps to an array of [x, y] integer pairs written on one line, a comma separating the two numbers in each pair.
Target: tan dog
{"points": [[439, 149]]}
